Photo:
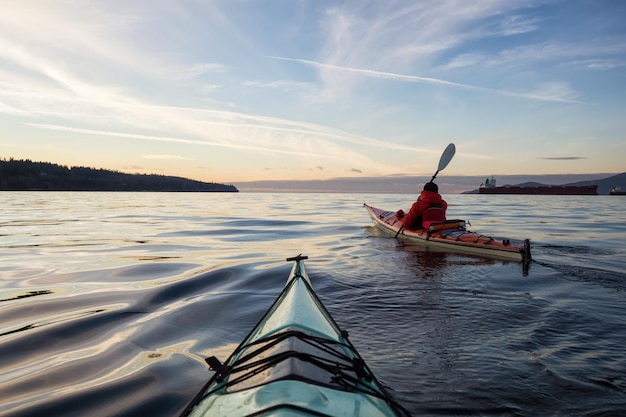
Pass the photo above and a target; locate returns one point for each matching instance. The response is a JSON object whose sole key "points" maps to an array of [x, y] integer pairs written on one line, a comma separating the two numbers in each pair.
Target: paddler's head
{"points": [[431, 186]]}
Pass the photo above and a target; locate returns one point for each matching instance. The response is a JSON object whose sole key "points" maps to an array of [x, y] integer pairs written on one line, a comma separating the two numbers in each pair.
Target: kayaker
{"points": [[429, 207]]}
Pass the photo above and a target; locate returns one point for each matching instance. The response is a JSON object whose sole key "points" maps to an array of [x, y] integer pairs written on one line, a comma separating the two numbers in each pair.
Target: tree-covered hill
{"points": [[26, 175]]}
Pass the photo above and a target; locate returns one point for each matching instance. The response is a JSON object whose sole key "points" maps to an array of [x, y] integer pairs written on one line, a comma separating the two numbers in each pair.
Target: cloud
{"points": [[87, 103], [535, 95], [133, 167], [362, 32], [173, 139], [280, 85], [564, 158], [464, 60], [599, 64], [198, 75], [582, 54], [555, 91], [398, 43], [166, 157], [517, 24], [198, 70]]}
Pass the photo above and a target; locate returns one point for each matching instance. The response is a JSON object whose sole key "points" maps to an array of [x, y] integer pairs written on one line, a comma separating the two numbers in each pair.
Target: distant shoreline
{"points": [[412, 184], [26, 175], [113, 191]]}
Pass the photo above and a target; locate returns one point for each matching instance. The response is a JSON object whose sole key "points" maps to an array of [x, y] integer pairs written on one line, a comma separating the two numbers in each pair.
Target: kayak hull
{"points": [[451, 236], [296, 361]]}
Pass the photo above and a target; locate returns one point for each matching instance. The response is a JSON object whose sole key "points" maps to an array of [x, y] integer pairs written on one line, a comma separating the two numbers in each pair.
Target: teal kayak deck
{"points": [[295, 362]]}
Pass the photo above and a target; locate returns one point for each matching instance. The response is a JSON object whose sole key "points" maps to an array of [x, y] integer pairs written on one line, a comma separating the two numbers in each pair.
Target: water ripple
{"points": [[109, 302]]}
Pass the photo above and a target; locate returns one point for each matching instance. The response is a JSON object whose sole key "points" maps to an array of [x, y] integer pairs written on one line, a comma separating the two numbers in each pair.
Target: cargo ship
{"points": [[489, 187]]}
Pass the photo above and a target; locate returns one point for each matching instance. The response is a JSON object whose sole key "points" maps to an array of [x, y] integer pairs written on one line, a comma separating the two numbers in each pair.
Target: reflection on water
{"points": [[109, 302], [27, 294]]}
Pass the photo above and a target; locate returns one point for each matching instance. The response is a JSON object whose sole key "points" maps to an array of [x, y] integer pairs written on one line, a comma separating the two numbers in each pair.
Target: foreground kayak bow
{"points": [[296, 361]]}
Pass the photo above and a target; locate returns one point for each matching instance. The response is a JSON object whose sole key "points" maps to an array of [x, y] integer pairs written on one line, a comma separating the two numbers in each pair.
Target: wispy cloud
{"points": [[535, 95], [517, 24], [86, 103], [595, 54], [176, 140], [555, 91], [284, 85], [197, 70], [133, 168], [564, 158], [464, 60], [379, 84], [599, 64], [377, 41], [167, 157], [89, 102]]}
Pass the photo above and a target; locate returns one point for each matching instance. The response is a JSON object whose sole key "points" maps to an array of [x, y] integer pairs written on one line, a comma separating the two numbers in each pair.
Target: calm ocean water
{"points": [[109, 302]]}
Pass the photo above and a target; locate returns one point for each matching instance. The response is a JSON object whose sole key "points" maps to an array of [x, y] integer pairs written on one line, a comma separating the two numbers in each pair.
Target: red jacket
{"points": [[413, 219]]}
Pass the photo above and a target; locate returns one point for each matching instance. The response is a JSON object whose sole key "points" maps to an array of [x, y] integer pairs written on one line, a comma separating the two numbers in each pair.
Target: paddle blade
{"points": [[446, 157]]}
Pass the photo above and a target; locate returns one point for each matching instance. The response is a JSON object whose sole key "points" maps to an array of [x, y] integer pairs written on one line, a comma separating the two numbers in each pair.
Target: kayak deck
{"points": [[296, 361], [453, 236]]}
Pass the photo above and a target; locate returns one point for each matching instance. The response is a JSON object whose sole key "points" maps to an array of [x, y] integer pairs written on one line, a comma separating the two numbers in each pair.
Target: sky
{"points": [[235, 91]]}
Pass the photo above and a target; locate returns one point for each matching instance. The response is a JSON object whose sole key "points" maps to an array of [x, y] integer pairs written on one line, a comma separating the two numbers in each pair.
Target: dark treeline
{"points": [[26, 175]]}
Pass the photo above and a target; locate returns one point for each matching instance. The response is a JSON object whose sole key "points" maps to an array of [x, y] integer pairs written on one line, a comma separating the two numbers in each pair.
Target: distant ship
{"points": [[617, 191], [489, 187]]}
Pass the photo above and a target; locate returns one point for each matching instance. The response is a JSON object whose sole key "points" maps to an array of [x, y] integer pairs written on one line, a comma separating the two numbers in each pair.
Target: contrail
{"points": [[427, 80]]}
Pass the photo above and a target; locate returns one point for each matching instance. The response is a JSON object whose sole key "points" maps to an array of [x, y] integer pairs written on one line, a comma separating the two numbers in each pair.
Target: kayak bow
{"points": [[452, 235], [296, 361]]}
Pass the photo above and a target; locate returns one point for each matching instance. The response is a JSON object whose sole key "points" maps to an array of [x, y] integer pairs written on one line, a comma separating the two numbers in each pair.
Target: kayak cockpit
{"points": [[299, 356]]}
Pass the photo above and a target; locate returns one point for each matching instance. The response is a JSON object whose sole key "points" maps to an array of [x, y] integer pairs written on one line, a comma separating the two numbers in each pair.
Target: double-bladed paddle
{"points": [[445, 159]]}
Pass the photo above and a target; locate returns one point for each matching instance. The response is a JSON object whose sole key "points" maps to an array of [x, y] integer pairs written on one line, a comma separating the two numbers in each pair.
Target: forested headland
{"points": [[26, 175]]}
